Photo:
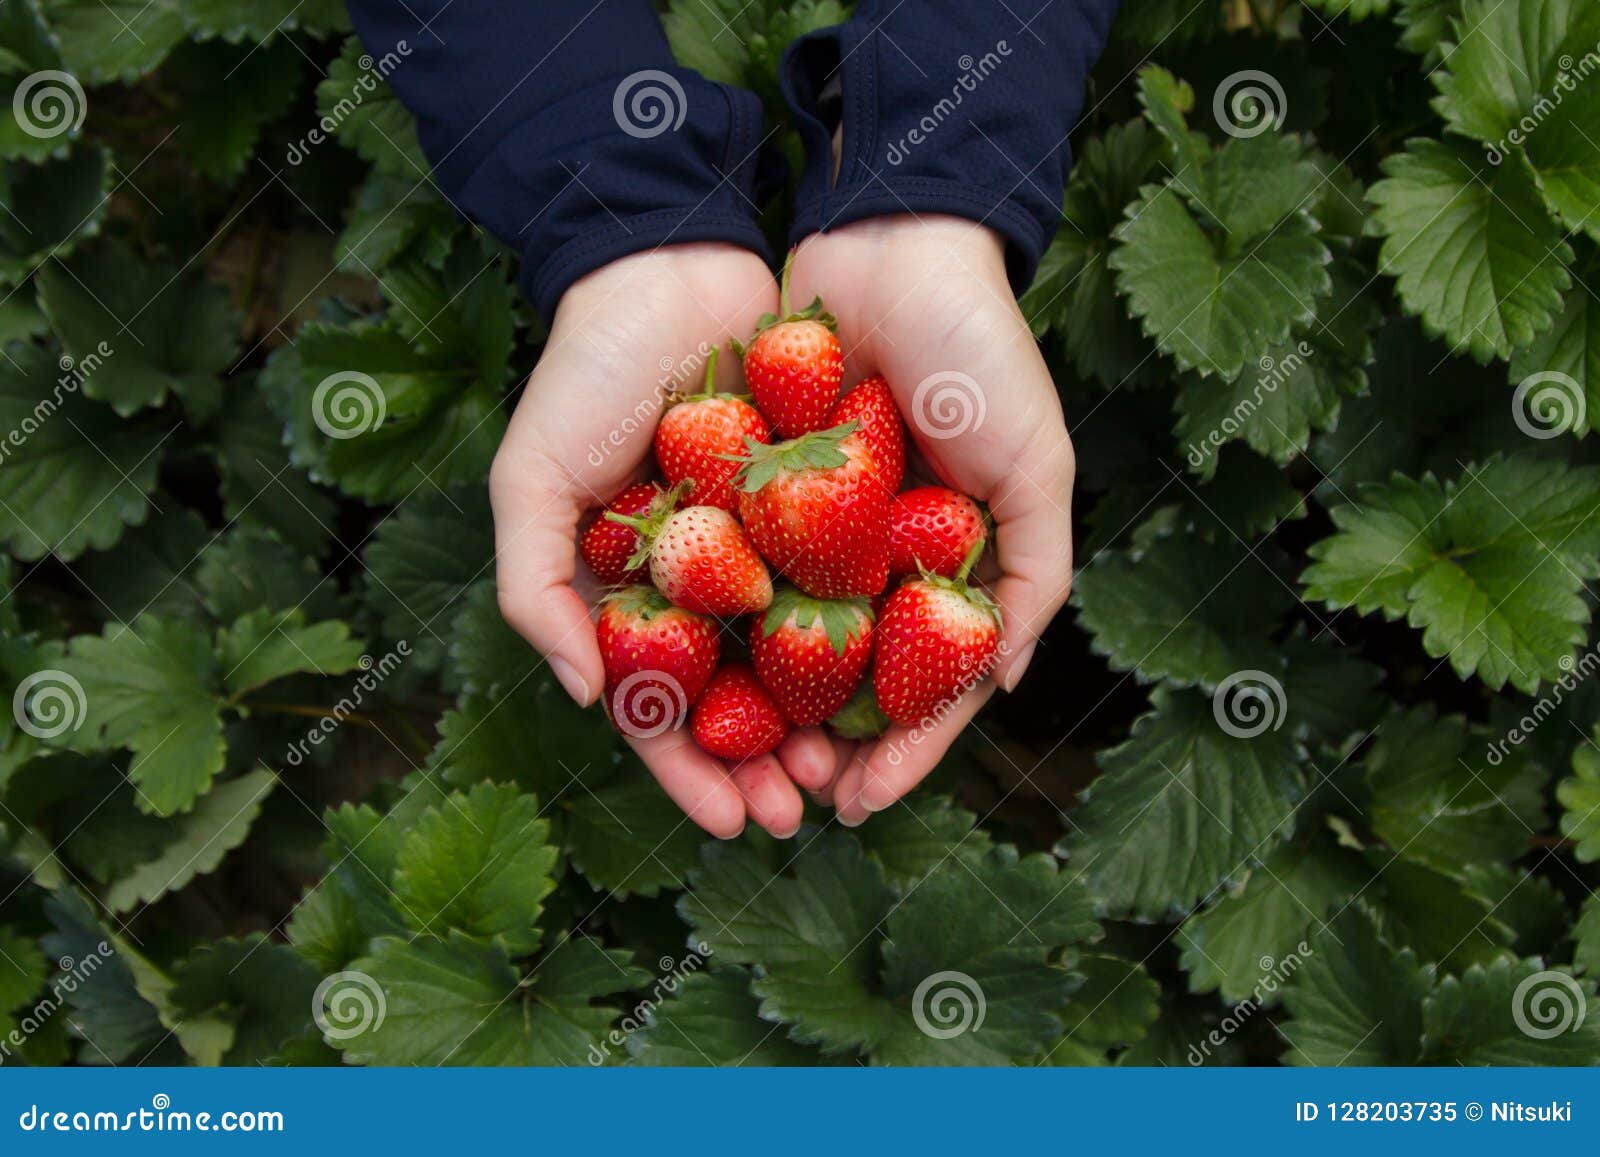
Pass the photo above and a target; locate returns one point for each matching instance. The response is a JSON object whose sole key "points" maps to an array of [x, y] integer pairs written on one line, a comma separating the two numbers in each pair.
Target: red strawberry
{"points": [[700, 558], [697, 435], [810, 653], [937, 638], [658, 659], [794, 366], [933, 529], [871, 404], [736, 718], [607, 546], [815, 508]]}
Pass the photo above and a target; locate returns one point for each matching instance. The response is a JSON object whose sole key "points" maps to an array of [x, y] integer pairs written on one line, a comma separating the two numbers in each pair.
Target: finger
{"points": [[808, 758], [535, 530], [883, 772], [1033, 545], [696, 782], [769, 795]]}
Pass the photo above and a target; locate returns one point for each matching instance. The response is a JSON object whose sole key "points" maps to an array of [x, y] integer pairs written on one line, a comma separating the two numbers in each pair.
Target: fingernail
{"points": [[875, 801], [788, 835], [567, 675], [849, 823], [1019, 668], [735, 835]]}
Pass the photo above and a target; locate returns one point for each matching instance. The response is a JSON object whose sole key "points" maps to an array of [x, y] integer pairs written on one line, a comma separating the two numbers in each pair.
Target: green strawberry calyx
{"points": [[971, 592], [841, 619], [861, 717], [819, 450], [639, 601], [649, 524], [813, 312]]}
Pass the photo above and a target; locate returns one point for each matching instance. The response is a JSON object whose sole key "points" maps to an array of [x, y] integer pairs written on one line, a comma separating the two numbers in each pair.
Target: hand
{"points": [[578, 438], [926, 300]]}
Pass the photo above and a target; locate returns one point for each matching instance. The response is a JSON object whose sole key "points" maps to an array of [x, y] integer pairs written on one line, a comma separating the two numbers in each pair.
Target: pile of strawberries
{"points": [[804, 483]]}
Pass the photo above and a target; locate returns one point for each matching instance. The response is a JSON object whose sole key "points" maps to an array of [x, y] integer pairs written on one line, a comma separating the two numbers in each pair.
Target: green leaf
{"points": [[712, 1021], [23, 968], [1183, 610], [1579, 795], [460, 1002], [624, 837], [921, 836], [1586, 933], [1436, 797], [1354, 9], [1181, 808], [153, 326], [265, 646], [481, 864], [198, 842], [1355, 1001], [115, 40], [1433, 914], [1490, 565], [1511, 1012], [367, 115], [27, 49], [739, 43], [1114, 1007], [393, 217], [1427, 27], [261, 990], [50, 208], [230, 93], [81, 475], [1475, 255], [1517, 82], [152, 567], [244, 570], [1565, 361], [237, 20], [1238, 944]]}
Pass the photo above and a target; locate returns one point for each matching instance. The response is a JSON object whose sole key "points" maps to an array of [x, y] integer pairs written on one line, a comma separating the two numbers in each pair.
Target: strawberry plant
{"points": [[1309, 772]]}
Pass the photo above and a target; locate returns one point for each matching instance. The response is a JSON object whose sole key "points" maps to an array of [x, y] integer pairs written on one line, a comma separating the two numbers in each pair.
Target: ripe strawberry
{"points": [[810, 653], [871, 404], [607, 546], [933, 529], [700, 558], [736, 718], [658, 659], [697, 435], [814, 507], [937, 638], [794, 365]]}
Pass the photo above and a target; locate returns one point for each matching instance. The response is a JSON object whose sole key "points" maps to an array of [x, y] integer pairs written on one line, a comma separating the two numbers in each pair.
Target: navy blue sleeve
{"points": [[565, 128], [948, 106]]}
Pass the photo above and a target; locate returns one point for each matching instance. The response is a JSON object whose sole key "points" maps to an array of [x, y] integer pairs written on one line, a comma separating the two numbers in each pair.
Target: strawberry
{"points": [[794, 365], [932, 529], [810, 653], [815, 508], [697, 433], [937, 637], [607, 546], [861, 717], [736, 718], [700, 558], [658, 659], [871, 404]]}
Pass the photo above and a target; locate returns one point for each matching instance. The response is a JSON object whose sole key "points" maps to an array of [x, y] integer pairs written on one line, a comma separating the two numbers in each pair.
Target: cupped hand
{"points": [[622, 338], [925, 301]]}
